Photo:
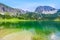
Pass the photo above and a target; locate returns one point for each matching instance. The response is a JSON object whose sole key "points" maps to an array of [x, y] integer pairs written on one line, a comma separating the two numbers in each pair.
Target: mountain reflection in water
{"points": [[42, 28]]}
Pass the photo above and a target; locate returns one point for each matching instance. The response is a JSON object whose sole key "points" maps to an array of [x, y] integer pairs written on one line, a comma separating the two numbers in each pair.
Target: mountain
{"points": [[41, 12], [13, 11], [45, 10]]}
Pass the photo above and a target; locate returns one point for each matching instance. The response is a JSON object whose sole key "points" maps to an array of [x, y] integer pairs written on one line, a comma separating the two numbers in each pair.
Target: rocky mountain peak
{"points": [[13, 11], [45, 9]]}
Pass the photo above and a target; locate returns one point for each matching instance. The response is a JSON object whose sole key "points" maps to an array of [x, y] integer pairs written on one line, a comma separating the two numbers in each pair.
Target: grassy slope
{"points": [[17, 20], [14, 20]]}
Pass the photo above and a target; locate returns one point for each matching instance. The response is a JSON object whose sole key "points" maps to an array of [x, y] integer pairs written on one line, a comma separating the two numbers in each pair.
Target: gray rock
{"points": [[13, 11], [45, 9]]}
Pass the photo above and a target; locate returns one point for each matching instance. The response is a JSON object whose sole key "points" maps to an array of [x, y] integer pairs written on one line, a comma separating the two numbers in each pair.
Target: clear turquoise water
{"points": [[43, 29], [43, 26]]}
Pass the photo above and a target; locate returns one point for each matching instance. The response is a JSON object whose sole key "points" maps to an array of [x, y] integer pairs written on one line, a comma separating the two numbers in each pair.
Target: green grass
{"points": [[58, 19], [14, 20]]}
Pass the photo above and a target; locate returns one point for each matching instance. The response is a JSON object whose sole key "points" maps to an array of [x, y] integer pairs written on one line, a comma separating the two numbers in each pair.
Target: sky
{"points": [[31, 5]]}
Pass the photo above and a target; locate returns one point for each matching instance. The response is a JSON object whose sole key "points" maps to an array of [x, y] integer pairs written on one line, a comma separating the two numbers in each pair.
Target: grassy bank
{"points": [[14, 20]]}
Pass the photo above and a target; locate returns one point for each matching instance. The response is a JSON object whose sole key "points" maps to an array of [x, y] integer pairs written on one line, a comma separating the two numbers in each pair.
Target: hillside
{"points": [[41, 13], [13, 11]]}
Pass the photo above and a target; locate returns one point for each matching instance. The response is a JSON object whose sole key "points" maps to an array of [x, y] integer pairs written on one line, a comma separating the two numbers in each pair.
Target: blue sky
{"points": [[31, 4]]}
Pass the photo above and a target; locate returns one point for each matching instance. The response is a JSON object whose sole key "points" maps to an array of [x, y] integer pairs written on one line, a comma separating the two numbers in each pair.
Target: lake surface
{"points": [[42, 28], [32, 24]]}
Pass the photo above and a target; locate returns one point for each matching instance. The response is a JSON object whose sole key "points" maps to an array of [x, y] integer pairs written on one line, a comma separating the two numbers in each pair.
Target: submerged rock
{"points": [[22, 35], [55, 36]]}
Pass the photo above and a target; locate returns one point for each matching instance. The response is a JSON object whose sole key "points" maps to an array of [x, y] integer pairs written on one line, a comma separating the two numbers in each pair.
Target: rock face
{"points": [[45, 10], [13, 11]]}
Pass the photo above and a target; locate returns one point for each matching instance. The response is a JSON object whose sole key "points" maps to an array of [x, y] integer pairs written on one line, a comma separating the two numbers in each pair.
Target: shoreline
{"points": [[14, 20]]}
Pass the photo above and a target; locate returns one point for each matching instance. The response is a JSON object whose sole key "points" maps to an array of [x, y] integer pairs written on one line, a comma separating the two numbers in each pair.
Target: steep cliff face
{"points": [[46, 10]]}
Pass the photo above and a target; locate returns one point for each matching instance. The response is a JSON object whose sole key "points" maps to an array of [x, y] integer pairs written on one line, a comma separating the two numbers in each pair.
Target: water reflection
{"points": [[42, 28], [43, 25]]}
